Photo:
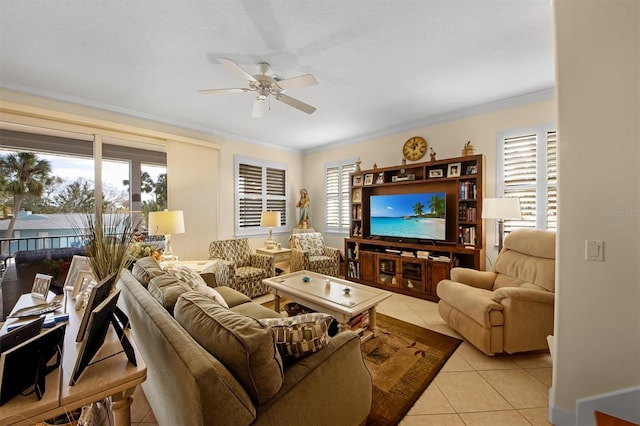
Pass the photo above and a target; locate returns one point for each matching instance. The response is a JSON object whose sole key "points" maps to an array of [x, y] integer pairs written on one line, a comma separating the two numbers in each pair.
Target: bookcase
{"points": [[414, 266]]}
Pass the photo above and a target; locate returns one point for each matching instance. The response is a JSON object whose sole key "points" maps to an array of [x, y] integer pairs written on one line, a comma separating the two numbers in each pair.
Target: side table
{"points": [[280, 255]]}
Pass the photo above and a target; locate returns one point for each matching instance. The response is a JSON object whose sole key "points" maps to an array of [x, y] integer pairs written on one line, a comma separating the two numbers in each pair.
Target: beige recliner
{"points": [[510, 308]]}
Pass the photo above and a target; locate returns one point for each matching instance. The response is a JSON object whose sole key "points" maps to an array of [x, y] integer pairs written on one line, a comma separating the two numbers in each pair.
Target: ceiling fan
{"points": [[265, 85]]}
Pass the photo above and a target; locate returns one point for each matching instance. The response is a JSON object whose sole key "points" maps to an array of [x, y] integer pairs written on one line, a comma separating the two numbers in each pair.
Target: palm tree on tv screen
{"points": [[418, 209], [437, 206], [24, 174]]}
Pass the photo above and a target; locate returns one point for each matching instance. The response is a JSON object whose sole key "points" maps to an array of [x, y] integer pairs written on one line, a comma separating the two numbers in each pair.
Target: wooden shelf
{"points": [[377, 262]]}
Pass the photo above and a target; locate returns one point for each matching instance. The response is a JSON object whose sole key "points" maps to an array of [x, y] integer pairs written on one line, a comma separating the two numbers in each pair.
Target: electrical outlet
{"points": [[594, 250]]}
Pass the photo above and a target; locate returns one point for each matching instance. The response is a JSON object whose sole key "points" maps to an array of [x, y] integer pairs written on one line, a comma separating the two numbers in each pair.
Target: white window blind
{"points": [[261, 186], [337, 194], [527, 169]]}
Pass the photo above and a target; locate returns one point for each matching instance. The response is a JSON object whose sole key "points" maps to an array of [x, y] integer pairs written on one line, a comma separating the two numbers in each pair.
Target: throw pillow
{"points": [[242, 344], [300, 335], [192, 279], [212, 294], [186, 275]]}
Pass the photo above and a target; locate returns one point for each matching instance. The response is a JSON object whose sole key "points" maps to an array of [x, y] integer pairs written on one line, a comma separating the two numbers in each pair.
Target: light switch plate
{"points": [[594, 250]]}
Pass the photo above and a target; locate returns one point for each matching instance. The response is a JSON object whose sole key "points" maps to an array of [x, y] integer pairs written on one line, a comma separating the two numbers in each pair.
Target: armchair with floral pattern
{"points": [[245, 270], [308, 252]]}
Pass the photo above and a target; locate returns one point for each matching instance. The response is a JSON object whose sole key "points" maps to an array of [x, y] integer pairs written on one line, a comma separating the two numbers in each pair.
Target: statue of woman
{"points": [[303, 205]]}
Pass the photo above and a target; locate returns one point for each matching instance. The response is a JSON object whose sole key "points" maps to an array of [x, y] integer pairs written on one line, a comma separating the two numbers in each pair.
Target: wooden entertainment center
{"points": [[414, 266]]}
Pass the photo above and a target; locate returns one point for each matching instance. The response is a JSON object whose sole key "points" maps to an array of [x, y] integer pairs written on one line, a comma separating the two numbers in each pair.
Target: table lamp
{"points": [[501, 209], [270, 219], [166, 223]]}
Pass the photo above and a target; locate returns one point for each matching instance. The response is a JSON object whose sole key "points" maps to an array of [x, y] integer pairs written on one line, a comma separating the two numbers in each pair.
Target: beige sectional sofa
{"points": [[211, 365]]}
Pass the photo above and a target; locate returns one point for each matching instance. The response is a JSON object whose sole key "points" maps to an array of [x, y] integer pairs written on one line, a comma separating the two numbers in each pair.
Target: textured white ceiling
{"points": [[381, 64]]}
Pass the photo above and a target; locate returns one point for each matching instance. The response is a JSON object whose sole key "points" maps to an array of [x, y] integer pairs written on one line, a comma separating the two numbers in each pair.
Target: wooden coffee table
{"points": [[327, 294]]}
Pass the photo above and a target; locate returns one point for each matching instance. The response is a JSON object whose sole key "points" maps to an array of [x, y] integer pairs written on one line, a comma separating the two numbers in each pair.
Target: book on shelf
{"points": [[407, 254], [468, 190]]}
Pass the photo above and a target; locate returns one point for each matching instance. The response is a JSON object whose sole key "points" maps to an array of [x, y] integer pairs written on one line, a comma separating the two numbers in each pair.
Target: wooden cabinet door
{"points": [[438, 271], [367, 266]]}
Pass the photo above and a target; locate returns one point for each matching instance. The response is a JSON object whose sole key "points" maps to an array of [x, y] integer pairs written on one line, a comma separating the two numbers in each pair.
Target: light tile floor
{"points": [[472, 389]]}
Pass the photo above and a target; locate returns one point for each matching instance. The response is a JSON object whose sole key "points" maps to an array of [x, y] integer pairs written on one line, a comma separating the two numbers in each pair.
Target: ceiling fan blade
{"points": [[237, 69], [296, 82], [295, 103], [216, 91], [259, 107]]}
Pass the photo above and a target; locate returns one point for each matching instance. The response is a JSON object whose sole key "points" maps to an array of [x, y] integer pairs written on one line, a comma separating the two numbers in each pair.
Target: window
{"points": [[260, 185], [527, 169], [337, 190]]}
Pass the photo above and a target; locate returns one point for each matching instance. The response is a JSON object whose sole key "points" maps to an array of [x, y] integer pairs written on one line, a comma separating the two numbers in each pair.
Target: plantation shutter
{"points": [[337, 177], [552, 183], [520, 171], [276, 200], [529, 171], [250, 195], [333, 197], [261, 186]]}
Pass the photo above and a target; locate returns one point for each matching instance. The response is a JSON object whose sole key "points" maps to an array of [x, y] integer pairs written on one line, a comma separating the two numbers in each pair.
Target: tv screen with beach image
{"points": [[418, 216]]}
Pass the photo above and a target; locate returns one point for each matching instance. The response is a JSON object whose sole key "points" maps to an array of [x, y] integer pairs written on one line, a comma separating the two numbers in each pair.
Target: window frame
{"points": [[342, 228], [541, 185], [254, 231]]}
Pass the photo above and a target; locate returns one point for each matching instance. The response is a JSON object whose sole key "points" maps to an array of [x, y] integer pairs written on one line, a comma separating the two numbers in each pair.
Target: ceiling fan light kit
{"points": [[265, 85]]}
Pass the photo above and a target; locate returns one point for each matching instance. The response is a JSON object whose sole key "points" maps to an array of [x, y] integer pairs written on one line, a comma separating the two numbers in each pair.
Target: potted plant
{"points": [[107, 240]]}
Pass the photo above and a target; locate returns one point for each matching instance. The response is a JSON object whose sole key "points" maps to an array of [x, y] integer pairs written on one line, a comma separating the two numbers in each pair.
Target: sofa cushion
{"points": [[245, 346], [193, 280], [166, 289], [255, 310], [300, 335], [232, 296], [146, 268]]}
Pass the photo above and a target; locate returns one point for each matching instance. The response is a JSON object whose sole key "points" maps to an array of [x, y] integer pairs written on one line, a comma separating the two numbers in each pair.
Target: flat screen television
{"points": [[409, 217]]}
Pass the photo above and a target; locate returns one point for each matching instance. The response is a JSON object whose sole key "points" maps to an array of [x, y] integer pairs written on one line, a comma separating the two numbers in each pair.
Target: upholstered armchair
{"points": [[510, 308], [308, 252], [243, 269]]}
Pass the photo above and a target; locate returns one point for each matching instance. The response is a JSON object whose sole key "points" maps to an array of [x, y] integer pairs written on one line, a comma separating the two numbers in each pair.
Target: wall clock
{"points": [[414, 148]]}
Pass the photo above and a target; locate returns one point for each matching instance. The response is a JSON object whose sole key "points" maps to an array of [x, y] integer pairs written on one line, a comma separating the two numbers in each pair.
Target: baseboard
{"points": [[622, 404]]}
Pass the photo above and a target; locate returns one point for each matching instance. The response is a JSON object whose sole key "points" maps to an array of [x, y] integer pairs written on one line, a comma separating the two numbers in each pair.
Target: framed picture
{"points": [[380, 178], [357, 180], [454, 170], [435, 173], [41, 285], [368, 179], [83, 280], [357, 196], [471, 170], [98, 294], [101, 317], [78, 263]]}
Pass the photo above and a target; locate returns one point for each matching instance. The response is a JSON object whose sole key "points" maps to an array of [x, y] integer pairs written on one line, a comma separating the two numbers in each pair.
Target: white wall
{"points": [[597, 323], [447, 140], [192, 186]]}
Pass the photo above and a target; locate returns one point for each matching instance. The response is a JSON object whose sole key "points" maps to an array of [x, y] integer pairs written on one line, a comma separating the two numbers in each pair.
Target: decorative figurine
{"points": [[303, 205], [468, 149], [358, 165], [432, 154]]}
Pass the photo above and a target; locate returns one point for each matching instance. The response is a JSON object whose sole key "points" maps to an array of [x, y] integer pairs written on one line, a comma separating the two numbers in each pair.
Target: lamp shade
{"points": [[166, 222], [501, 208], [270, 219]]}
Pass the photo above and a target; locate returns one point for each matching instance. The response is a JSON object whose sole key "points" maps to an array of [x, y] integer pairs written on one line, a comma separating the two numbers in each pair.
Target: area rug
{"points": [[403, 359]]}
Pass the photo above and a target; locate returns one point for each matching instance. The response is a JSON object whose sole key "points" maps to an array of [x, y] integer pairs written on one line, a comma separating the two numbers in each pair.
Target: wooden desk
{"points": [[112, 376]]}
